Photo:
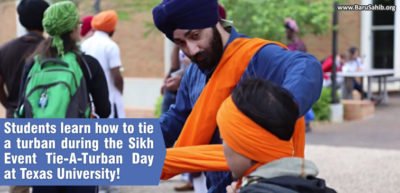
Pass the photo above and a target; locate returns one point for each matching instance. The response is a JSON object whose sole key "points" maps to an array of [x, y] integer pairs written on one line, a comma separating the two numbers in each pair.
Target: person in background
{"points": [[327, 68], [179, 62], [13, 56], [86, 27], [100, 45], [14, 53], [354, 64], [292, 30], [106, 51]]}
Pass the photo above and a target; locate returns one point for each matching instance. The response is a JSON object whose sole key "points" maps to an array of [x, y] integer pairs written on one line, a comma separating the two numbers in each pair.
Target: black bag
{"points": [[287, 184]]}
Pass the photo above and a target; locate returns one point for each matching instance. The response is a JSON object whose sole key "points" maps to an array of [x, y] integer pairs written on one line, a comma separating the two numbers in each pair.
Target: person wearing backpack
{"points": [[59, 70], [60, 80], [257, 124]]}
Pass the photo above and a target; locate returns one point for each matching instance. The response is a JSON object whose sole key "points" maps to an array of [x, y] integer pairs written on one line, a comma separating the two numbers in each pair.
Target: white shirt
{"points": [[353, 65], [107, 52]]}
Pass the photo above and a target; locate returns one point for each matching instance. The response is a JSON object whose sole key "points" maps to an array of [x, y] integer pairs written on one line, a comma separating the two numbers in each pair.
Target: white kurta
{"points": [[107, 52]]}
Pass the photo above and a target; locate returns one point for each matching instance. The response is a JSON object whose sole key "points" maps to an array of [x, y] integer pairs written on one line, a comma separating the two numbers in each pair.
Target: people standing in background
{"points": [[292, 30], [106, 51]]}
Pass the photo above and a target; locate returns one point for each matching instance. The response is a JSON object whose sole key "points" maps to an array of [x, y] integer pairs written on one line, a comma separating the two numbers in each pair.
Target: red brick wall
{"points": [[348, 35], [143, 57]]}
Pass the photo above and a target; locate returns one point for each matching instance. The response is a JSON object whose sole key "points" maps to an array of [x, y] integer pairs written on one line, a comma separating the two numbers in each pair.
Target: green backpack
{"points": [[55, 88]]}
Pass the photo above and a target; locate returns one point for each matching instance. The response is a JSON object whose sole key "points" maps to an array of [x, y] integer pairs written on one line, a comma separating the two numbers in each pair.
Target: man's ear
{"points": [[224, 34]]}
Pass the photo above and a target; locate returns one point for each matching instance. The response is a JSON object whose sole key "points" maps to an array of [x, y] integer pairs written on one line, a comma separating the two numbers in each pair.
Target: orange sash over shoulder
{"points": [[201, 123]]}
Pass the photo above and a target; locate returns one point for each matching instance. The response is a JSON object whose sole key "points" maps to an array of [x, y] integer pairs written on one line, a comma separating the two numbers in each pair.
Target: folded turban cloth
{"points": [[31, 13], [105, 21], [60, 18], [185, 14], [240, 133], [291, 24], [86, 25]]}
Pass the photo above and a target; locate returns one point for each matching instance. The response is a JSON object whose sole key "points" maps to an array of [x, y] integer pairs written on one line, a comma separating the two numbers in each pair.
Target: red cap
{"points": [[221, 12], [86, 25]]}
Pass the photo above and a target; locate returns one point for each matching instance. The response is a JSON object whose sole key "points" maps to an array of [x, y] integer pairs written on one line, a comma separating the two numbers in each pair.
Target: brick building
{"points": [[145, 65]]}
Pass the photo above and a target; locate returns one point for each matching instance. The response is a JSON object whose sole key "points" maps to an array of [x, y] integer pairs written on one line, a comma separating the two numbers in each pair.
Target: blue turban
{"points": [[185, 14]]}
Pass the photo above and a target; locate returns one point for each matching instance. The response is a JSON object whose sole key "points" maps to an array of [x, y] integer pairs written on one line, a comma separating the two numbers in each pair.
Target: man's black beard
{"points": [[210, 57]]}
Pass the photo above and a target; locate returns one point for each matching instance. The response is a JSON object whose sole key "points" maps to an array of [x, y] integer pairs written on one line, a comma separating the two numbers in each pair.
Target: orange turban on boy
{"points": [[105, 21]]}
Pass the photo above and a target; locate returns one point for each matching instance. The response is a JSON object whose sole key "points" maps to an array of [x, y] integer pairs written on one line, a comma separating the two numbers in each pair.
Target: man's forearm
{"points": [[119, 84], [3, 94], [3, 97]]}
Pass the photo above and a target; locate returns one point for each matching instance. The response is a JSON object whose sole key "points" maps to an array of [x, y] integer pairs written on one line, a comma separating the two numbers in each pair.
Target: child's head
{"points": [[256, 124], [353, 52]]}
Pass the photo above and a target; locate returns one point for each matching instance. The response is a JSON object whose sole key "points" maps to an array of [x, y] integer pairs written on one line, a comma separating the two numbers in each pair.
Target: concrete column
{"points": [[396, 54], [366, 36], [168, 46]]}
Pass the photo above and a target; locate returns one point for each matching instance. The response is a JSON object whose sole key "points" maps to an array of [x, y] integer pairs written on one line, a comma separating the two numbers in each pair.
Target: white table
{"points": [[380, 74]]}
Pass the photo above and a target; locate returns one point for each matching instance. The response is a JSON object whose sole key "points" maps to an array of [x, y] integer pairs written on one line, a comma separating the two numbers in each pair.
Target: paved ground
{"points": [[354, 157]]}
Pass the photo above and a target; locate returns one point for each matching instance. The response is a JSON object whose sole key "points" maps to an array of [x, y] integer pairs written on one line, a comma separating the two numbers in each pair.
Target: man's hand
{"points": [[3, 93], [232, 188], [172, 83]]}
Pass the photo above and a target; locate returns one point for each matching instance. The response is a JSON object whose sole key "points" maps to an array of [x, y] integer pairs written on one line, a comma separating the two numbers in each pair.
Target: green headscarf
{"points": [[60, 18]]}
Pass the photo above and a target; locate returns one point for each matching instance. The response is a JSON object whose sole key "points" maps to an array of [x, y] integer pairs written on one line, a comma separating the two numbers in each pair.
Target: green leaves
{"points": [[321, 108], [265, 18]]}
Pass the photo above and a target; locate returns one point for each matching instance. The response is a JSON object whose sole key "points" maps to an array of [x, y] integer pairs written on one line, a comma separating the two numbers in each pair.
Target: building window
{"points": [[383, 36]]}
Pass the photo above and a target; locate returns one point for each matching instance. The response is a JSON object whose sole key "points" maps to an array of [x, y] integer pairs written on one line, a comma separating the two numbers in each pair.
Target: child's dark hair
{"points": [[353, 50], [270, 106]]}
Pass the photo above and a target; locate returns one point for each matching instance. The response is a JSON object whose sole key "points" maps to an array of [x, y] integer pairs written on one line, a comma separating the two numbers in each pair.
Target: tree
{"points": [[265, 18]]}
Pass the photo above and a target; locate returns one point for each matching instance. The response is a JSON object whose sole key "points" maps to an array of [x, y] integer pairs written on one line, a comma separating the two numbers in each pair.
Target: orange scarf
{"points": [[201, 123]]}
